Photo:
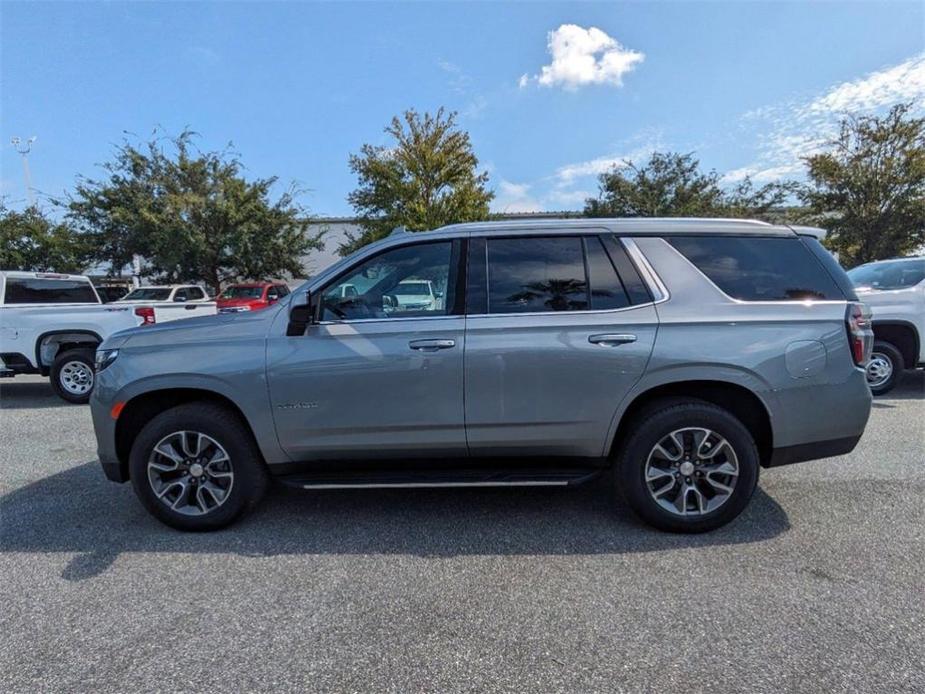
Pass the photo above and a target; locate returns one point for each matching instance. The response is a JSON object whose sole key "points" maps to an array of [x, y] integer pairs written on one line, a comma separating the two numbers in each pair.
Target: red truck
{"points": [[250, 296]]}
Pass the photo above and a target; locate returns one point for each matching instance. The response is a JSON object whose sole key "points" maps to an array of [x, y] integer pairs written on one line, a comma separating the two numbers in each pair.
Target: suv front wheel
{"points": [[687, 467], [197, 467]]}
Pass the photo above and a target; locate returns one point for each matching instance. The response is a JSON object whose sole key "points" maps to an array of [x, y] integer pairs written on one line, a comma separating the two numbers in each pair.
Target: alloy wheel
{"points": [[190, 473], [691, 471]]}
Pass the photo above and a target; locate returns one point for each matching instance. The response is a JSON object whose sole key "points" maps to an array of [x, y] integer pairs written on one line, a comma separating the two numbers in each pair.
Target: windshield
{"points": [[242, 293], [891, 274], [412, 288], [147, 294]]}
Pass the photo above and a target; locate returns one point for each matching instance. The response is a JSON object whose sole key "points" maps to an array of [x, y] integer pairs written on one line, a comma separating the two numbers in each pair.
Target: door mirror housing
{"points": [[300, 316]]}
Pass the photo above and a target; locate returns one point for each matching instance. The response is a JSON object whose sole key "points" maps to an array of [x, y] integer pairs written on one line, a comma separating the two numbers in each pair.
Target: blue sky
{"points": [[297, 87]]}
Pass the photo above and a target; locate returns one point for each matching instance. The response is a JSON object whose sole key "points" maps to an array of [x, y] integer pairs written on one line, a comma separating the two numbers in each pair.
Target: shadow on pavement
{"points": [[910, 387], [31, 395], [79, 511]]}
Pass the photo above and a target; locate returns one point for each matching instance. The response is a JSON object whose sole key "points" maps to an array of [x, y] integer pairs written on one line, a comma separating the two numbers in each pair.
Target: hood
{"points": [[222, 327]]}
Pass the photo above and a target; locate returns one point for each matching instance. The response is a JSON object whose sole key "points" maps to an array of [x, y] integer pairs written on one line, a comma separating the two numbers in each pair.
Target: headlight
{"points": [[105, 357]]}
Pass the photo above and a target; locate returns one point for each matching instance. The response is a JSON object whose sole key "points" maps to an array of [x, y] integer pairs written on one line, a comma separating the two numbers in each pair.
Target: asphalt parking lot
{"points": [[818, 586]]}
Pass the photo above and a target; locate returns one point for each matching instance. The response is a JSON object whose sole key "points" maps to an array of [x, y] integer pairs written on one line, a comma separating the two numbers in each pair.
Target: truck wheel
{"points": [[72, 375], [197, 467], [884, 368], [687, 467]]}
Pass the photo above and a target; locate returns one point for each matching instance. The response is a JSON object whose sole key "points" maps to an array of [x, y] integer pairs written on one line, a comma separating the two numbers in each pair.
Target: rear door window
{"points": [[607, 290], [759, 268], [537, 274], [29, 290]]}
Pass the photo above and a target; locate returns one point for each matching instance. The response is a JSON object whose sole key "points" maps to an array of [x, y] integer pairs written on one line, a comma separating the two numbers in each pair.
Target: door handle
{"points": [[611, 339], [431, 345]]}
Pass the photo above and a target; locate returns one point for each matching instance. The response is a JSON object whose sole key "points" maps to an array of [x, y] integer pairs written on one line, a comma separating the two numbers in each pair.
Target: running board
{"points": [[428, 479]]}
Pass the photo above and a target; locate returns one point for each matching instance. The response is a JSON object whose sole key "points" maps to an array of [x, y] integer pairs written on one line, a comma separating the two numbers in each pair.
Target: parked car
{"points": [[51, 324], [250, 296], [895, 291], [166, 293], [170, 302], [677, 356], [413, 295], [110, 290]]}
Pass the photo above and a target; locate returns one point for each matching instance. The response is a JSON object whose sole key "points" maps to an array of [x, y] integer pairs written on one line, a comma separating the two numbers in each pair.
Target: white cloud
{"points": [[900, 83], [584, 56], [787, 133], [646, 143], [515, 197]]}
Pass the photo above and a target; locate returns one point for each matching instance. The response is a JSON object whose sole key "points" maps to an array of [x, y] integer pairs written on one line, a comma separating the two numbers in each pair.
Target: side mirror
{"points": [[300, 317], [179, 298]]}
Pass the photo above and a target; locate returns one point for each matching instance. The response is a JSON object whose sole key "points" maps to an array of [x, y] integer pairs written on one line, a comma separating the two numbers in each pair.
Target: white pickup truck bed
{"points": [[51, 324]]}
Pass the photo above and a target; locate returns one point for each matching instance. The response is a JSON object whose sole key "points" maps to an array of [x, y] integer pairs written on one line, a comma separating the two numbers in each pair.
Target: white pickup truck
{"points": [[170, 302], [51, 324], [895, 292]]}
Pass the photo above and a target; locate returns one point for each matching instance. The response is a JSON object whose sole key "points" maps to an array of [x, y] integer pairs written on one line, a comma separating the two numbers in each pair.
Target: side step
{"points": [[430, 478]]}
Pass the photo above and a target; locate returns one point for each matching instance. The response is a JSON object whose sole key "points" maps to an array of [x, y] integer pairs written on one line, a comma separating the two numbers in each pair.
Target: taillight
{"points": [[146, 313], [860, 333]]}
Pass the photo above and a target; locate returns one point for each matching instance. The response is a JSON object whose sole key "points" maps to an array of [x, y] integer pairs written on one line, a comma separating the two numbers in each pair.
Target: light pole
{"points": [[24, 147]]}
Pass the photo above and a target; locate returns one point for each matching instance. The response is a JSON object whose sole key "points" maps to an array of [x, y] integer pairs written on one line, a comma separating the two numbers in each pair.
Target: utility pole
{"points": [[24, 148]]}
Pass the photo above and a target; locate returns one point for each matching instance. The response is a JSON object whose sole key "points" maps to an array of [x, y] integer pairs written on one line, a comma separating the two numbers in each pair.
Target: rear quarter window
{"points": [[760, 268], [35, 290]]}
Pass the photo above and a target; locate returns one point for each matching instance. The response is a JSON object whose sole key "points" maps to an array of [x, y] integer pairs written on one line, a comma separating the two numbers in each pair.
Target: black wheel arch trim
{"points": [[916, 339], [41, 338]]}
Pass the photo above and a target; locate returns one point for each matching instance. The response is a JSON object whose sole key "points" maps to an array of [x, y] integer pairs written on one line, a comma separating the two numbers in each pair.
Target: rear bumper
{"points": [[812, 451]]}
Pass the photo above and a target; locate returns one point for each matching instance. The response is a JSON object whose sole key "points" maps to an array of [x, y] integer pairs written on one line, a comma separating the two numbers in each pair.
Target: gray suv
{"points": [[676, 356]]}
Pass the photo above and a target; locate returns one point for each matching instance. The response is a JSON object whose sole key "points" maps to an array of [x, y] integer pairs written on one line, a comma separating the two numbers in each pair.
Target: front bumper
{"points": [[104, 426]]}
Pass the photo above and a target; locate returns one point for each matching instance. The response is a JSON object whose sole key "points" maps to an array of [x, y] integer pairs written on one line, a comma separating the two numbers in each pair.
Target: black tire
{"points": [[888, 352], [225, 427], [650, 428], [62, 375]]}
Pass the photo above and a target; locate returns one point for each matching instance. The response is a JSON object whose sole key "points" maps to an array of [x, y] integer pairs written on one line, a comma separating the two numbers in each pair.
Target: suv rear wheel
{"points": [[197, 467], [687, 466], [72, 374]]}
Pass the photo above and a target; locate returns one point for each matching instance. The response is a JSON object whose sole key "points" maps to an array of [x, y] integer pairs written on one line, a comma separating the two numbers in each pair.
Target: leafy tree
{"points": [[426, 179], [672, 185], [191, 215], [31, 241], [868, 189]]}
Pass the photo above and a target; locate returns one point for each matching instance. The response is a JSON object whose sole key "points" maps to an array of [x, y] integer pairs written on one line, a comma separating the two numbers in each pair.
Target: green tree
{"points": [[672, 185], [868, 188], [31, 241], [427, 178], [191, 215]]}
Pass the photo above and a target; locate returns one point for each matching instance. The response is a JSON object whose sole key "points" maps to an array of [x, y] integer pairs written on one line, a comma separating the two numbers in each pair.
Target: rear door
{"points": [[555, 338]]}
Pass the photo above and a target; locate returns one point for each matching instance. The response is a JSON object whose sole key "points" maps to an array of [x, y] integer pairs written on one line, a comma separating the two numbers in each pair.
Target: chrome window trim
{"points": [[561, 313], [388, 320], [656, 287]]}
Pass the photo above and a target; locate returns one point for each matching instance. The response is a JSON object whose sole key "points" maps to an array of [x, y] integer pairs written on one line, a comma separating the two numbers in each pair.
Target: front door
{"points": [[381, 373], [554, 341]]}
